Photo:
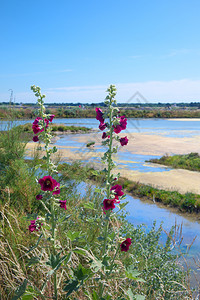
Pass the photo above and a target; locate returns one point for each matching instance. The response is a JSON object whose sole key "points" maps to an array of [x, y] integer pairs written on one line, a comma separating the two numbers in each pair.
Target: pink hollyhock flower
{"points": [[102, 126], [46, 121], [109, 204], [124, 141], [125, 245], [117, 191], [36, 122], [48, 184], [99, 115], [34, 226], [50, 118], [37, 127], [57, 189], [35, 138], [121, 126], [104, 135], [63, 204], [39, 197]]}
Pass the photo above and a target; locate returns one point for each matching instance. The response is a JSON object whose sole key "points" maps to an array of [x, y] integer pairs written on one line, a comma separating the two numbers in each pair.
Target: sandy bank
{"points": [[145, 144]]}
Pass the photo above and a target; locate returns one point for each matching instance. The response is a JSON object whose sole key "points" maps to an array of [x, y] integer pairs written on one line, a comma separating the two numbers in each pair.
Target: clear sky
{"points": [[74, 49]]}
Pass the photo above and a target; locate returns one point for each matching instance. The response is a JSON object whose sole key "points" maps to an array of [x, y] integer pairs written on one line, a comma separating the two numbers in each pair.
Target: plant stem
{"points": [[109, 160]]}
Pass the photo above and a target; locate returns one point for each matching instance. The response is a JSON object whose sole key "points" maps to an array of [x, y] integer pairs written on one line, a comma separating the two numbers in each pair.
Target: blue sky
{"points": [[74, 49]]}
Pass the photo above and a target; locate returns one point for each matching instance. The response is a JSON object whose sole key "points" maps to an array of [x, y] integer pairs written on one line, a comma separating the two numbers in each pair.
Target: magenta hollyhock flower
{"points": [[39, 197], [104, 135], [50, 118], [48, 183], [36, 122], [121, 126], [63, 204], [57, 189], [34, 225], [124, 141], [99, 115], [102, 126], [46, 121], [35, 138], [125, 245], [36, 128], [109, 204], [117, 191]]}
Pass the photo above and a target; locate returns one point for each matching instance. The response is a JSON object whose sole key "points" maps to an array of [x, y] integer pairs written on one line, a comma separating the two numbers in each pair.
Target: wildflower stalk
{"points": [[109, 159], [109, 101], [50, 168]]}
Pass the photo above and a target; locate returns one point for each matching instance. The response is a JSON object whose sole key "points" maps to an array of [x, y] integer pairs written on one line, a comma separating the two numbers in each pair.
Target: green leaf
{"points": [[130, 294], [95, 296], [20, 290], [89, 205], [96, 265], [97, 190], [122, 205], [54, 149], [82, 273], [55, 262], [132, 274], [73, 235], [27, 297], [79, 251], [63, 219], [33, 260], [35, 246], [71, 286]]}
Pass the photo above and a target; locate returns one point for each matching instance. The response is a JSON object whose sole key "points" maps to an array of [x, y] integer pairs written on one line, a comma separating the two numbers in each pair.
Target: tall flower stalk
{"points": [[112, 127], [49, 186]]}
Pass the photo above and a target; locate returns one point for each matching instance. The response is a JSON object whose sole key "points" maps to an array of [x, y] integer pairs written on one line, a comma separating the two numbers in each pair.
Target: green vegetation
{"points": [[59, 127], [186, 161], [188, 202], [151, 267]]}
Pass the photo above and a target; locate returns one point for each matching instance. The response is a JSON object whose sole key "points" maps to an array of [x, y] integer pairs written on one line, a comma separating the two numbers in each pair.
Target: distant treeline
{"points": [[29, 112], [102, 104]]}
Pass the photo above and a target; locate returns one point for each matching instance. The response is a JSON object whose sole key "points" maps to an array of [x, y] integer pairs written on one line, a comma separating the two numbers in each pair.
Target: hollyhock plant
{"points": [[124, 141], [109, 204], [125, 245], [39, 197], [99, 115], [117, 191], [35, 138], [48, 183], [63, 204]]}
